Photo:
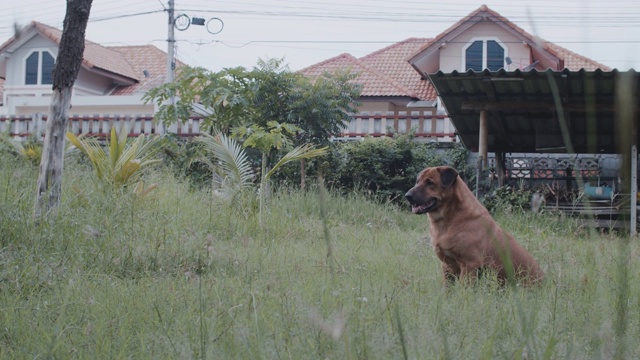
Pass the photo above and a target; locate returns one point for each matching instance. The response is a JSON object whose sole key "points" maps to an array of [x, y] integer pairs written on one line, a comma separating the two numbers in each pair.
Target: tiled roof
{"points": [[141, 58], [392, 62], [375, 83], [573, 61]]}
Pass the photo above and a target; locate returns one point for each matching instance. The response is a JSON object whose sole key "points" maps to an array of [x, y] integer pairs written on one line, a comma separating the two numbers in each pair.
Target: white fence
{"points": [[424, 124], [22, 127]]}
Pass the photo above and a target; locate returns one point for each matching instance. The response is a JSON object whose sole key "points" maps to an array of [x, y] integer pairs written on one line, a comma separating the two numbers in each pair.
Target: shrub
{"points": [[180, 157], [384, 168], [507, 198]]}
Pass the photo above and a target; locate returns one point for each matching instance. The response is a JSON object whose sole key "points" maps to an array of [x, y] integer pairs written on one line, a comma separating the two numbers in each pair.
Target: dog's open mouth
{"points": [[426, 207]]}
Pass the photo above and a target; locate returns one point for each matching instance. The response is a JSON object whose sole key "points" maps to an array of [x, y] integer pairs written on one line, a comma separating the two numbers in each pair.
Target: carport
{"points": [[575, 112]]}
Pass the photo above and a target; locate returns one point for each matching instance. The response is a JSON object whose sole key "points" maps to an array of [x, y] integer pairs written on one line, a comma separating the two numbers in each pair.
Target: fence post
{"points": [[38, 126]]}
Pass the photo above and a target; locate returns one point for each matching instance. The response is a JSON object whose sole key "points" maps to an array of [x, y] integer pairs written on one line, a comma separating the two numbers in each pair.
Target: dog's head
{"points": [[431, 187]]}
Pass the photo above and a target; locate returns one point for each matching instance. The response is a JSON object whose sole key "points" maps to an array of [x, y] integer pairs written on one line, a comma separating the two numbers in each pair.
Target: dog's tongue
{"points": [[415, 209]]}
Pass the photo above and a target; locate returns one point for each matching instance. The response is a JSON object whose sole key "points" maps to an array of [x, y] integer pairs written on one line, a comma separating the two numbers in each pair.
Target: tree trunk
{"points": [[65, 72]]}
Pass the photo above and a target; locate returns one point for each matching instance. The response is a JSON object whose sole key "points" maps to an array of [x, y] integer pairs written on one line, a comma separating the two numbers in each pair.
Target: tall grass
{"points": [[180, 274]]}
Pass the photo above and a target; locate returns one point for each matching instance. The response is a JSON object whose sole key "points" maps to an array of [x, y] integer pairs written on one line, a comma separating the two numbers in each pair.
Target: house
{"points": [[110, 85], [397, 93], [112, 79]]}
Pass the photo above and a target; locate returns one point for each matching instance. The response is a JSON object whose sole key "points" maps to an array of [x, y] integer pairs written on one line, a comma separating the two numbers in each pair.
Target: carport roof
{"points": [[526, 109]]}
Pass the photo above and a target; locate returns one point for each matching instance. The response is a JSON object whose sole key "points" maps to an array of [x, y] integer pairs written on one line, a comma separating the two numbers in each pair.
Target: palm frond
{"points": [[93, 150], [305, 151], [231, 157], [120, 163]]}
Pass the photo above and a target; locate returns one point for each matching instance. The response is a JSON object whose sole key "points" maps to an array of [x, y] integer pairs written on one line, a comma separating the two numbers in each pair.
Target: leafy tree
{"points": [[323, 107], [223, 97], [270, 92], [272, 88], [252, 101]]}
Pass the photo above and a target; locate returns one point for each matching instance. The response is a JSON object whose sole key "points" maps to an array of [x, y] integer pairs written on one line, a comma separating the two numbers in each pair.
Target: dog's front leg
{"points": [[450, 275], [469, 272]]}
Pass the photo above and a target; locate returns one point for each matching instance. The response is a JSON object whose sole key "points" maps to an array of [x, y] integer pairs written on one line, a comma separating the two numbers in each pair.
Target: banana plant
{"points": [[119, 162]]}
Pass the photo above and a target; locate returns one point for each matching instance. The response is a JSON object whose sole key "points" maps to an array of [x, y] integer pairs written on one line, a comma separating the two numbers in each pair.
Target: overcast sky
{"points": [[307, 32]]}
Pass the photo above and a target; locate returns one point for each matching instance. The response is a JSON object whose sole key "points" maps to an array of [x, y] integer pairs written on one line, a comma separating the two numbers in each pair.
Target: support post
{"points": [[483, 134], [482, 148], [634, 190], [500, 172]]}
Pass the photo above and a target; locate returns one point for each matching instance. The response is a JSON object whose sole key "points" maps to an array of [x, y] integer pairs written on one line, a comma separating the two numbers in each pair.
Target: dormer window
{"points": [[39, 68], [484, 54]]}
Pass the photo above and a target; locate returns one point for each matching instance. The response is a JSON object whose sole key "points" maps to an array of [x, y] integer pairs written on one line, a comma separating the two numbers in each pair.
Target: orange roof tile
{"points": [[391, 61], [573, 61], [141, 58], [374, 83]]}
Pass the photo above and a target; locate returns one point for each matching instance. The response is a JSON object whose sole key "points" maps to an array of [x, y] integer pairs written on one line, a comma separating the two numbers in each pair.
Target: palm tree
{"points": [[119, 163], [229, 165], [236, 168]]}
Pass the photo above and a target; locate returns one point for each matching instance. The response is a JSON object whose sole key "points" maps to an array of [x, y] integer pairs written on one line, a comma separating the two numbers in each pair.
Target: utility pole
{"points": [[171, 42], [171, 62]]}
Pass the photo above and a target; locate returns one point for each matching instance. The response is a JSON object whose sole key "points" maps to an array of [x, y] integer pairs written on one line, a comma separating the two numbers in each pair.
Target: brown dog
{"points": [[464, 235]]}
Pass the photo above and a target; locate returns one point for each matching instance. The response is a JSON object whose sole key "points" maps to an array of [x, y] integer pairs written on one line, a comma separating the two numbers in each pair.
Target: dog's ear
{"points": [[448, 176]]}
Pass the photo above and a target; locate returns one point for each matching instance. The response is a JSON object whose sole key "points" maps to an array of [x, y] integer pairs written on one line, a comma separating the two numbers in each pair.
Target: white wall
{"points": [[451, 56]]}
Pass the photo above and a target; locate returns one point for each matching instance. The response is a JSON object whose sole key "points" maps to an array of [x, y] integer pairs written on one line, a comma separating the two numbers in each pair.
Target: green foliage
{"points": [[180, 155], [323, 106], [268, 93], [274, 137], [508, 198], [383, 167], [229, 164], [224, 97], [119, 163], [272, 84], [30, 150]]}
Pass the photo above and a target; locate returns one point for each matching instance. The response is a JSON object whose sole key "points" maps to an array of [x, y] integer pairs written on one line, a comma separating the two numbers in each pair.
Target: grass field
{"points": [[178, 275]]}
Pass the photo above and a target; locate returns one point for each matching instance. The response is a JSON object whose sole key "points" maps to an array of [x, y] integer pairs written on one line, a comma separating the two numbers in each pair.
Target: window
{"points": [[484, 54], [39, 68], [47, 68]]}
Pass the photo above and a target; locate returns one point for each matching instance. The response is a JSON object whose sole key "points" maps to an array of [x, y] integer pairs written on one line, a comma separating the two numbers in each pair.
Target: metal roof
{"points": [[527, 110]]}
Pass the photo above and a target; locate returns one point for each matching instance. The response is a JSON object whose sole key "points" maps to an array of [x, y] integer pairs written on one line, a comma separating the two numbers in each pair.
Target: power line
{"points": [[125, 16]]}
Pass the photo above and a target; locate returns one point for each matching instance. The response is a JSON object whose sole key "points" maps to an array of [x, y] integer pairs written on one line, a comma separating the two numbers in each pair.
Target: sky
{"points": [[303, 33]]}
